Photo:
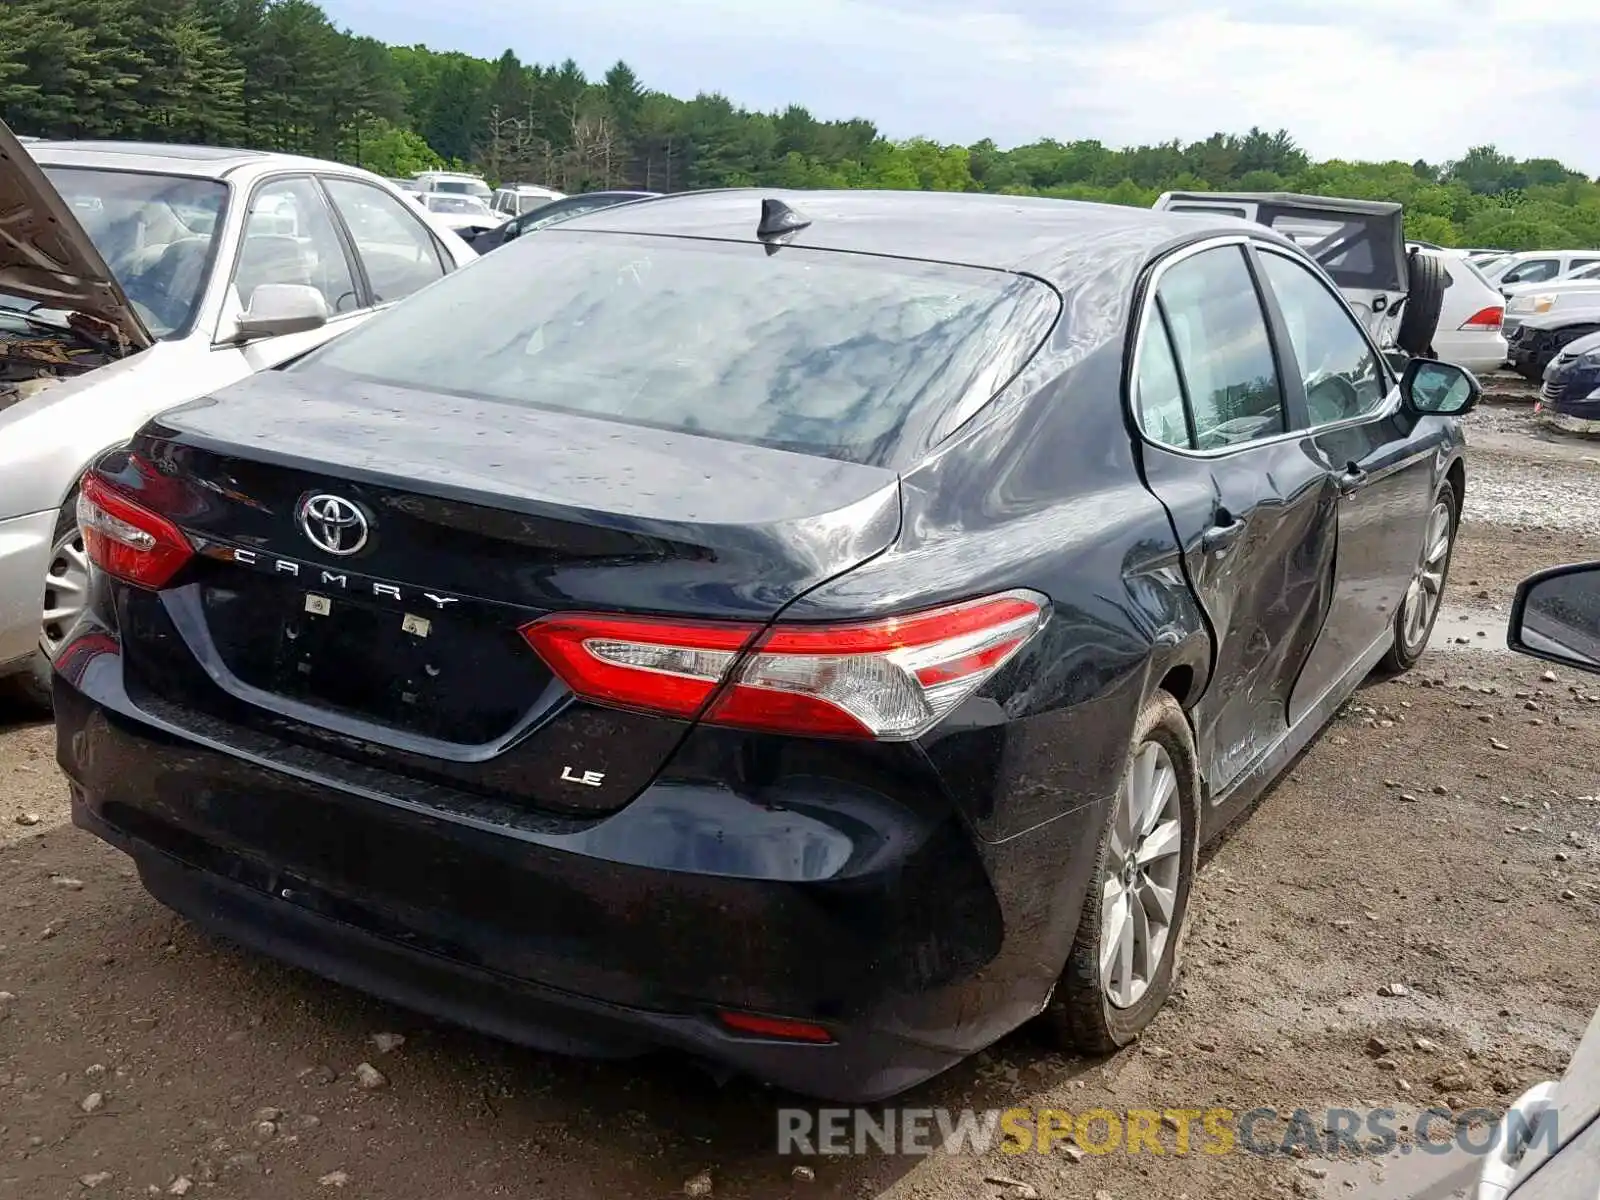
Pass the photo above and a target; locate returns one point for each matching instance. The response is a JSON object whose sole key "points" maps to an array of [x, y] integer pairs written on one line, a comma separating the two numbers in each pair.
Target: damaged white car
{"points": [[134, 277]]}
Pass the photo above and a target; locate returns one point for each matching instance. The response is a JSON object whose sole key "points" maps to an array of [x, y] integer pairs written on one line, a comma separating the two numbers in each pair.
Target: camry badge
{"points": [[333, 524]]}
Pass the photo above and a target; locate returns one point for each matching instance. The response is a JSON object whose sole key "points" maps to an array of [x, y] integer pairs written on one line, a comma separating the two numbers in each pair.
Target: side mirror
{"points": [[1556, 616], [280, 308], [1438, 389]]}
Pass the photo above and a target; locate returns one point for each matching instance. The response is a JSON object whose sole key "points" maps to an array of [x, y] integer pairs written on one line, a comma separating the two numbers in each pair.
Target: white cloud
{"points": [[1364, 79]]}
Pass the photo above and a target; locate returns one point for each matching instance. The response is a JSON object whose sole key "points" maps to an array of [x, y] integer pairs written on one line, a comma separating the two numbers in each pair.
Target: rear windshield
{"points": [[1472, 268], [814, 351]]}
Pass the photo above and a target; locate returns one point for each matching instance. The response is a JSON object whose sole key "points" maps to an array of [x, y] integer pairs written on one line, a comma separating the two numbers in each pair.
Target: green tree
{"points": [[280, 74], [1429, 227], [624, 96], [456, 124], [1485, 170], [396, 152]]}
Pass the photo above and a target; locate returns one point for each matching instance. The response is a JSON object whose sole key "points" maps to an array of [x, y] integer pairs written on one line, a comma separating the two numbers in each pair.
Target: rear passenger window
{"points": [[1219, 336], [1160, 394], [395, 247]]}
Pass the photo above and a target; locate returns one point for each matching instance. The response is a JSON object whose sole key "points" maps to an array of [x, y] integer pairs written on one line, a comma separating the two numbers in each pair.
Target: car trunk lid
{"points": [[479, 517]]}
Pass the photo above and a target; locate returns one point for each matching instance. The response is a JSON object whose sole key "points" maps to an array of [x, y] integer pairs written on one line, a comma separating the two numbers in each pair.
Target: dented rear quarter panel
{"points": [[1043, 493]]}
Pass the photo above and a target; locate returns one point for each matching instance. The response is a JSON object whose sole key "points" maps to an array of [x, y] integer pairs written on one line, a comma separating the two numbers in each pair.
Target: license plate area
{"points": [[382, 662], [436, 674]]}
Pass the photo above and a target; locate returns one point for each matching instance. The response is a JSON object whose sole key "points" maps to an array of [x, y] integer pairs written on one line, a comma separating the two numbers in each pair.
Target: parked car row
{"points": [[1534, 303], [1543, 319], [487, 219], [1520, 268]]}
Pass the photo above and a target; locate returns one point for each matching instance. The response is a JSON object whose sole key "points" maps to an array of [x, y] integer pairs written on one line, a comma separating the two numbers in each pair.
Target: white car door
{"points": [[290, 236]]}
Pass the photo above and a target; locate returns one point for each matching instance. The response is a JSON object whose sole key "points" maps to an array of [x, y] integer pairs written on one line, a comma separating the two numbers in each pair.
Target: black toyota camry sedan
{"points": [[814, 631]]}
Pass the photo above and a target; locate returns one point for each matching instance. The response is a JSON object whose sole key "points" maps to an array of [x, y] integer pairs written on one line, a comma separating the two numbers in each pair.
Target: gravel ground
{"points": [[1443, 835]]}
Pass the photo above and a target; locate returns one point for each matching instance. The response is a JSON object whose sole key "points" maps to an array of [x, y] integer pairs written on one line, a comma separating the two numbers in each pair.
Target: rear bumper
{"points": [[883, 926], [863, 1064], [1476, 350], [24, 557]]}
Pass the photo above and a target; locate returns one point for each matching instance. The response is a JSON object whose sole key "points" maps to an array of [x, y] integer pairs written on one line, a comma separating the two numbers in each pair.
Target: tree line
{"points": [[278, 74]]}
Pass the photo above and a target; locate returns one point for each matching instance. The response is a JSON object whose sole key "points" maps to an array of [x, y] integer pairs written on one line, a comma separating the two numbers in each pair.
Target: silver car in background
{"points": [[134, 277]]}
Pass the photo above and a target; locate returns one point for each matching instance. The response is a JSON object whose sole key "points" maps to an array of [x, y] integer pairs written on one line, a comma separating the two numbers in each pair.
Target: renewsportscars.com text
{"points": [[1209, 1131]]}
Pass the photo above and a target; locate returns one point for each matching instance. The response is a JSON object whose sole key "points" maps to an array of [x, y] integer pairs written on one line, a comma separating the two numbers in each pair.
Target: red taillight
{"points": [[126, 539], [890, 679], [663, 666], [780, 1028], [1485, 318]]}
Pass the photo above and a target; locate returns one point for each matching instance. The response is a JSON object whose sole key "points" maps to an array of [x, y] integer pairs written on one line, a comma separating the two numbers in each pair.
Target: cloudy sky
{"points": [[1355, 79]]}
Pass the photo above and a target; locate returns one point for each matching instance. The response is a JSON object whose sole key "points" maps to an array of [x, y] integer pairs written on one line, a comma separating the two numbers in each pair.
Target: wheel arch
{"points": [[1456, 476]]}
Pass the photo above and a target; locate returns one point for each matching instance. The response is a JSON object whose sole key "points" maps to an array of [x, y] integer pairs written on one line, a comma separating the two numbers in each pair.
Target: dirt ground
{"points": [[1443, 835]]}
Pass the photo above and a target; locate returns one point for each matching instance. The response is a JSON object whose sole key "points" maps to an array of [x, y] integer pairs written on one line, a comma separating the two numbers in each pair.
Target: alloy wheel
{"points": [[66, 590], [1143, 861], [1427, 585]]}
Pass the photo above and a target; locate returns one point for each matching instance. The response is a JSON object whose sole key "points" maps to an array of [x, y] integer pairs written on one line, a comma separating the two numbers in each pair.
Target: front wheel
{"points": [[1419, 610], [66, 591], [1130, 937]]}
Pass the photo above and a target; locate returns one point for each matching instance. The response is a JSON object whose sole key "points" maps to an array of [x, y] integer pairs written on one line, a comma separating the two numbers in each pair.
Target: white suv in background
{"points": [[1469, 333], [1539, 266]]}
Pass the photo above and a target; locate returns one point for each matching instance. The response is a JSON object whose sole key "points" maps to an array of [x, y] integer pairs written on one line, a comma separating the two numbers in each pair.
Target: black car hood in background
{"points": [[1579, 346]]}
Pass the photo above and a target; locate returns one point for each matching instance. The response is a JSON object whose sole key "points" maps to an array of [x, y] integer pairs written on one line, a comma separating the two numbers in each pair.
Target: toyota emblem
{"points": [[333, 524]]}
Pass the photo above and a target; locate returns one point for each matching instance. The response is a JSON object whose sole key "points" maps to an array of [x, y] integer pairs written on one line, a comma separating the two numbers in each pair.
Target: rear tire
{"points": [[1110, 988], [1412, 628], [1425, 285]]}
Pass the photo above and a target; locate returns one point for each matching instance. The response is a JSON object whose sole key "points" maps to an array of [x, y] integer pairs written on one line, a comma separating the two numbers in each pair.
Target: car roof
{"points": [[204, 162], [1520, 254], [1058, 240]]}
